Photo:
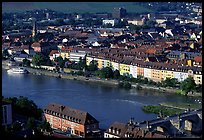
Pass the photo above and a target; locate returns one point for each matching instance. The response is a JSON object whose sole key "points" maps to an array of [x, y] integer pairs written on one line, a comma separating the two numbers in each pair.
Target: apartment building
{"points": [[71, 120]]}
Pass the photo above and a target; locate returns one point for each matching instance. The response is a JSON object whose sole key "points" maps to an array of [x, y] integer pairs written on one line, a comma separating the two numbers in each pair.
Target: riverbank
{"points": [[182, 106], [108, 82]]}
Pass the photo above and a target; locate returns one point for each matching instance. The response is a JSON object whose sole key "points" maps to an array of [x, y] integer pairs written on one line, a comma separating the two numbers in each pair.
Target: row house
{"points": [[115, 64], [124, 67], [54, 54], [64, 118], [152, 70], [65, 52], [75, 55], [197, 75], [121, 130], [147, 72]]}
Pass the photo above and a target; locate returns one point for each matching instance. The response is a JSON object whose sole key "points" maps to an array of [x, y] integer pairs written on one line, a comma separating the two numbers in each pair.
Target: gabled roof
{"points": [[60, 110]]}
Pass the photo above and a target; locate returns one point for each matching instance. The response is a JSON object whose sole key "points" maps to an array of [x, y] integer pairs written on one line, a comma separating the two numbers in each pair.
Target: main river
{"points": [[107, 104]]}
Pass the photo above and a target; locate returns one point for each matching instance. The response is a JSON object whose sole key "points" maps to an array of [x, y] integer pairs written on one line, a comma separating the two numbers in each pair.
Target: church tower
{"points": [[34, 32]]}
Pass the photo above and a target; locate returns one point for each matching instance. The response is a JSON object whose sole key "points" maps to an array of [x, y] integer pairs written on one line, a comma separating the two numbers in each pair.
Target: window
{"points": [[81, 133], [76, 132]]}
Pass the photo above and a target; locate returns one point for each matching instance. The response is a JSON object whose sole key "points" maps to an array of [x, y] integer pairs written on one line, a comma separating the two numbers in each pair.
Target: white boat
{"points": [[18, 70]]}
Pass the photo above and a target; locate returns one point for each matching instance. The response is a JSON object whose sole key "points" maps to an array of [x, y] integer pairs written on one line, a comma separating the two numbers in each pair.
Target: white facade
{"points": [[181, 76], [133, 71], [107, 63], [147, 73], [159, 21], [107, 135], [136, 22], [6, 114], [115, 65], [74, 56], [109, 21]]}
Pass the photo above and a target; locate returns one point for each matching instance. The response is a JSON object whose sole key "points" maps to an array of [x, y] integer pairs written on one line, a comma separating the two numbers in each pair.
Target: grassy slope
{"points": [[78, 7]]}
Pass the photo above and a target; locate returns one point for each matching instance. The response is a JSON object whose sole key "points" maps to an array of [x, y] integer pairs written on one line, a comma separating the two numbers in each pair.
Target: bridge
{"points": [[177, 125]]}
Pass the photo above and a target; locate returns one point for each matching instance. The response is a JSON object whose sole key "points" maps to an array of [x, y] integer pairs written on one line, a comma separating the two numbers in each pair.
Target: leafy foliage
{"points": [[105, 73], [160, 109], [116, 74], [39, 59], [30, 123], [23, 106], [188, 85], [93, 66], [26, 62]]}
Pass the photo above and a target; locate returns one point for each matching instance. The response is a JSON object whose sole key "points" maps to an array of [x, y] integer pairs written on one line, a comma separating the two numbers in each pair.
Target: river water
{"points": [[107, 104]]}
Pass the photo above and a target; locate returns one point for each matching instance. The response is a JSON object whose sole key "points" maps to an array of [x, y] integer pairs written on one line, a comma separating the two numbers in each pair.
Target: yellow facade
{"points": [[166, 74], [156, 75], [88, 60], [100, 63], [124, 69], [190, 63], [64, 55]]}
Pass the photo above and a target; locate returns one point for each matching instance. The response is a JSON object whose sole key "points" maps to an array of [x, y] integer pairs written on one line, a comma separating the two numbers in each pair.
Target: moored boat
{"points": [[18, 70]]}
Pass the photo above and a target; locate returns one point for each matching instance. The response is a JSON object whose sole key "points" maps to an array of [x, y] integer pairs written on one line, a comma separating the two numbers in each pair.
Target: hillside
{"points": [[70, 7]]}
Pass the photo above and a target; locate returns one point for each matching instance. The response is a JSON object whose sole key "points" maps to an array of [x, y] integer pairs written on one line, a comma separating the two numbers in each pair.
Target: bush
{"points": [[160, 109], [125, 84]]}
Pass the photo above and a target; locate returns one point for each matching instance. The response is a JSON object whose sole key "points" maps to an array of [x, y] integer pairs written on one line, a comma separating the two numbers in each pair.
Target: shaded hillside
{"points": [[70, 7]]}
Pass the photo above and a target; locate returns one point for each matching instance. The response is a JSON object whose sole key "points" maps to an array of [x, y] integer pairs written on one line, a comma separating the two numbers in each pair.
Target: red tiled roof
{"points": [[53, 52], [198, 59]]}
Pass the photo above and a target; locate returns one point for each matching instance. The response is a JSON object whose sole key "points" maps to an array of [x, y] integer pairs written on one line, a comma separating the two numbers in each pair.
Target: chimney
{"points": [[62, 108]]}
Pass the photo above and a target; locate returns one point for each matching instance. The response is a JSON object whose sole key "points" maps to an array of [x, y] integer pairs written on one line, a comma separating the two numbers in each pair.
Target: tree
{"points": [[45, 126], [26, 62], [5, 54], [60, 61], [188, 85], [170, 82], [30, 123], [38, 59], [93, 66], [106, 73], [116, 74]]}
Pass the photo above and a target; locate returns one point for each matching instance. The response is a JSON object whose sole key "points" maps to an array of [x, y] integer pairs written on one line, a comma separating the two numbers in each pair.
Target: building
{"points": [[75, 55], [6, 113], [139, 21], [130, 130], [34, 32], [64, 118], [110, 21], [119, 13]]}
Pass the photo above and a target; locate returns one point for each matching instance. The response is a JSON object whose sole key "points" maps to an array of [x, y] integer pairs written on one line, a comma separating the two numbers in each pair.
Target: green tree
{"points": [[39, 59], [116, 74], [106, 73], [30, 123], [93, 66], [170, 82], [60, 61], [45, 126], [26, 62], [188, 85], [5, 53]]}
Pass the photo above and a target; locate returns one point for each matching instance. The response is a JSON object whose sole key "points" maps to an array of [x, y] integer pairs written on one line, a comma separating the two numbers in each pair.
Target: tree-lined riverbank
{"points": [[94, 79]]}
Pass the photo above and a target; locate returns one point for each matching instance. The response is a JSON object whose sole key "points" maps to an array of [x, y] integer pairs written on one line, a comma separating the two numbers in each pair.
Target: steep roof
{"points": [[71, 114]]}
